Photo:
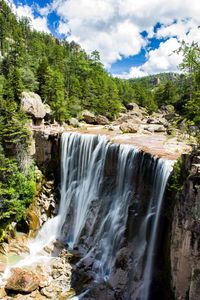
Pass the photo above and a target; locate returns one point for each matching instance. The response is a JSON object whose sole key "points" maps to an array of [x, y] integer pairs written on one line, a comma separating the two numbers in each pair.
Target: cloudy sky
{"points": [[134, 37]]}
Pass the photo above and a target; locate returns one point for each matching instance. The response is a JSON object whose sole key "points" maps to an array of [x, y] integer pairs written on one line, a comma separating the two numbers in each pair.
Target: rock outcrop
{"points": [[132, 106], [42, 280], [32, 104], [129, 127], [47, 148], [22, 281], [185, 234], [102, 120], [90, 118], [43, 207]]}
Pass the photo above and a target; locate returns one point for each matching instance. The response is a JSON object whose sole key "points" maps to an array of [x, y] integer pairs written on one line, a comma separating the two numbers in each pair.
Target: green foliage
{"points": [[29, 79], [191, 66], [13, 86], [178, 176], [166, 93], [16, 191], [17, 185], [193, 108]]}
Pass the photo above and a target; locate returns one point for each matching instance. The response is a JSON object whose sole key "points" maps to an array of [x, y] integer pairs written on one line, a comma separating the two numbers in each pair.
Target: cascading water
{"points": [[160, 180], [100, 183]]}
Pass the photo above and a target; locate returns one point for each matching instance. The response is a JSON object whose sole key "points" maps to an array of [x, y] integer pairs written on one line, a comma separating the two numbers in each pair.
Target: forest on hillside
{"points": [[69, 80]]}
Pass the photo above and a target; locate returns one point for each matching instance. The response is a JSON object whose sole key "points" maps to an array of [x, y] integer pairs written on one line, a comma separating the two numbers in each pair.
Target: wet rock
{"points": [[33, 220], [119, 279], [129, 128], [101, 292], [67, 294], [42, 208], [22, 280], [18, 245]]}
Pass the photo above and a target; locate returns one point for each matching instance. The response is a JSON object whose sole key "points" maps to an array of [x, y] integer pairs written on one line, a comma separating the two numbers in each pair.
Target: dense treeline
{"points": [[69, 80], [65, 77]]}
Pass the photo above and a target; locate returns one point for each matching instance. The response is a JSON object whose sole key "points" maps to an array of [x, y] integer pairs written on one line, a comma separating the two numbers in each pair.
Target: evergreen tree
{"points": [[45, 79]]}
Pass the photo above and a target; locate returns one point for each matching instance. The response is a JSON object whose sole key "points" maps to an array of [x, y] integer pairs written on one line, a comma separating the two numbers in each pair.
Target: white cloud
{"points": [[37, 23], [113, 27], [163, 59], [180, 29], [134, 72]]}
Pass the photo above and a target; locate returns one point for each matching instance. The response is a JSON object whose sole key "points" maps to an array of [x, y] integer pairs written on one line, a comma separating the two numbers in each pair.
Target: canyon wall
{"points": [[185, 230]]}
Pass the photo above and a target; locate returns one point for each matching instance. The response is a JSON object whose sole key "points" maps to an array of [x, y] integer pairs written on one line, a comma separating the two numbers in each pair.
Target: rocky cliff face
{"points": [[46, 151], [185, 233]]}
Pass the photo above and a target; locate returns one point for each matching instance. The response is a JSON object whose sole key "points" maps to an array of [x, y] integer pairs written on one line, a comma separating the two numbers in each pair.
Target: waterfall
{"points": [[81, 172], [100, 182], [160, 180], [111, 203]]}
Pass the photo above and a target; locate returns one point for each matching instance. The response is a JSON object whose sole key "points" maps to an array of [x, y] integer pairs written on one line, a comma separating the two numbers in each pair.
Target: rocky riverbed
{"points": [[26, 273], [47, 277]]}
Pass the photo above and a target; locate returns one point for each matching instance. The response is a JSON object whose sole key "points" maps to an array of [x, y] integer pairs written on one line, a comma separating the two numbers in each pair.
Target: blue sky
{"points": [[134, 38]]}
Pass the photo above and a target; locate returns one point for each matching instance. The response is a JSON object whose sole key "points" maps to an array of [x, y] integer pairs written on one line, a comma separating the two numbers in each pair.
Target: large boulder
{"points": [[155, 128], [22, 280], [74, 122], [157, 121], [132, 106], [32, 104], [129, 128], [102, 120], [88, 117], [127, 118]]}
